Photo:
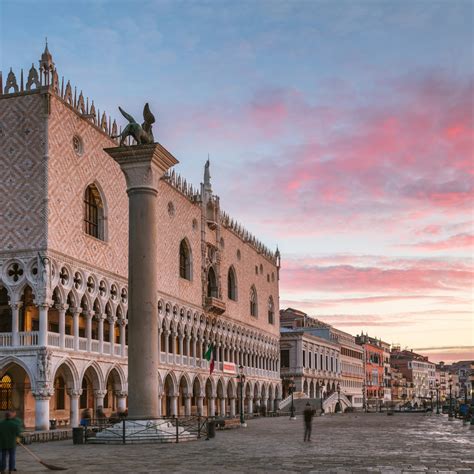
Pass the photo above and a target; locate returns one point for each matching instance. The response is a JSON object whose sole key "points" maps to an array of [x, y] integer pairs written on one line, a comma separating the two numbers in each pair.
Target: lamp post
{"points": [[241, 378], [291, 388], [364, 404], [431, 398], [450, 397], [437, 398], [338, 388]]}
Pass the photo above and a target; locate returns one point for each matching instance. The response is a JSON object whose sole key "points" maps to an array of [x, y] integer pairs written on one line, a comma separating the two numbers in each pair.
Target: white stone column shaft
{"points": [[222, 407], [43, 324], [42, 412], [62, 308], [101, 318], [74, 396], [75, 326], [232, 407], [89, 315], [15, 322]]}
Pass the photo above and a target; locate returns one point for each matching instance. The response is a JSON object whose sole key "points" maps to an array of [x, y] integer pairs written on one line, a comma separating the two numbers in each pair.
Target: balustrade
{"points": [[5, 339], [53, 339]]}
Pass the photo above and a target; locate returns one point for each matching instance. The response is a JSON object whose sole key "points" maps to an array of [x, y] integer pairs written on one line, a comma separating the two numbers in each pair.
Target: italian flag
{"points": [[209, 355]]}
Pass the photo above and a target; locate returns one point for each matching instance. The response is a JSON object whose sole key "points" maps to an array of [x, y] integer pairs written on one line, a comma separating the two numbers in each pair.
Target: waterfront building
{"points": [[64, 268]]}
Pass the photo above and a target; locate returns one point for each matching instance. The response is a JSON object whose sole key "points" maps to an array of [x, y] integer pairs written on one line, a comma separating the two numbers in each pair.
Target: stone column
{"points": [[15, 322], [89, 316], [174, 405], [43, 324], [250, 405], [143, 166], [187, 405], [212, 406], [200, 406], [99, 398], [167, 343], [101, 318], [232, 407], [62, 308], [42, 396], [180, 346], [122, 323], [74, 396], [121, 400], [112, 320], [75, 326], [222, 407], [188, 346]]}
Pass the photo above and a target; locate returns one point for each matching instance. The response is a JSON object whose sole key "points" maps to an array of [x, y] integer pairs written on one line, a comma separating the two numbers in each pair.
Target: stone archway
{"points": [[221, 399], [196, 399], [170, 395], [64, 406], [16, 393], [115, 396], [184, 397], [92, 396]]}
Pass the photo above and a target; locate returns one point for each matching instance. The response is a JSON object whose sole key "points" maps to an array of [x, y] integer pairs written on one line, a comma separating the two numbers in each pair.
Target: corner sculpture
{"points": [[142, 134]]}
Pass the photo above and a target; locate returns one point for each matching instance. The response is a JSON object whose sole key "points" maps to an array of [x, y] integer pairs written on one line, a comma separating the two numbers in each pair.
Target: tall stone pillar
{"points": [[74, 396], [143, 166], [43, 324], [232, 407], [42, 396], [75, 326]]}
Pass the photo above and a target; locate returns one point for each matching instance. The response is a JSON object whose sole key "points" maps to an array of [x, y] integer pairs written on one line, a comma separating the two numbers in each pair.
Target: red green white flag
{"points": [[209, 356]]}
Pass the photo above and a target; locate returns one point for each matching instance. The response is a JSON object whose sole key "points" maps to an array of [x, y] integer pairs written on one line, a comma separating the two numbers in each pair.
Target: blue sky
{"points": [[343, 127]]}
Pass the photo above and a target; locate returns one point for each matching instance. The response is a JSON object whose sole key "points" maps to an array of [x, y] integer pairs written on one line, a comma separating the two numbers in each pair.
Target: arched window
{"points": [[184, 260], [231, 284], [94, 214], [60, 392], [6, 393], [253, 302], [271, 311], [212, 283]]}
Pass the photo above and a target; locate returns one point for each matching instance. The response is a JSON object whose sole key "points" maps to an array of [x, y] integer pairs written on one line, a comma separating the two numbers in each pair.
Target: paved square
{"points": [[341, 443]]}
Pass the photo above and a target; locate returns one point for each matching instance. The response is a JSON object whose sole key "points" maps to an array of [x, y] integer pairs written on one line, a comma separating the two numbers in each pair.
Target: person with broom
{"points": [[10, 429]]}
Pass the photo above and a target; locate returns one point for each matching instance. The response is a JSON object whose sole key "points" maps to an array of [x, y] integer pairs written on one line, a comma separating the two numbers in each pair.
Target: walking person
{"points": [[308, 415], [10, 429]]}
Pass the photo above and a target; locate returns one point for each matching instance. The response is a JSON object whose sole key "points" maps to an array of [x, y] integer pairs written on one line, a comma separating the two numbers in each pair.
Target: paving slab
{"points": [[349, 443]]}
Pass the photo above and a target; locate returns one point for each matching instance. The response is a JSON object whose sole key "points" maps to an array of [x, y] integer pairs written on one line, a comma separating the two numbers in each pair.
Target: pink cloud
{"points": [[301, 277], [454, 242]]}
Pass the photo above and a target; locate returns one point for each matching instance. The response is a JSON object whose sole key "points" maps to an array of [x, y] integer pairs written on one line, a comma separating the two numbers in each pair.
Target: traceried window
{"points": [[94, 215], [253, 302], [212, 290], [231, 284], [271, 311], [184, 260], [6, 393]]}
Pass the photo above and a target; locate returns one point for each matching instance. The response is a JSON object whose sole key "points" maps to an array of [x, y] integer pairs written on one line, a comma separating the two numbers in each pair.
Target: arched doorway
{"points": [[15, 393], [169, 408]]}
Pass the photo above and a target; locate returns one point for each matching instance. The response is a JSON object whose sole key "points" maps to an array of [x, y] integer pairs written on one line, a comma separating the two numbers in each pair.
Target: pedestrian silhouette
{"points": [[308, 415]]}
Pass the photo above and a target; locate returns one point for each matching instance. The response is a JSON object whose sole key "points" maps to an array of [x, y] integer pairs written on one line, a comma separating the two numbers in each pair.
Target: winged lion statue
{"points": [[142, 134]]}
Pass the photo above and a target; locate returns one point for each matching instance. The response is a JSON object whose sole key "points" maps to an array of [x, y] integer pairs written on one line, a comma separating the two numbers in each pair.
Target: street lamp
{"points": [[431, 398], [437, 398], [338, 388], [241, 378], [450, 397], [291, 389], [364, 403]]}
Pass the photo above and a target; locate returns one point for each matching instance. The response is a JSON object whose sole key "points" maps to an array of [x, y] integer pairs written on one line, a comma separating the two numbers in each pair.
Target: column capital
{"points": [[112, 319], [100, 317], [16, 305], [46, 303], [122, 322], [75, 310], [62, 307], [89, 313], [142, 165], [74, 393], [44, 392], [120, 393], [100, 393]]}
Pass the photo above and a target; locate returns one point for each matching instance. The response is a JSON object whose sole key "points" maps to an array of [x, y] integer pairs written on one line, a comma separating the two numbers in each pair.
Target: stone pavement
{"points": [[374, 443]]}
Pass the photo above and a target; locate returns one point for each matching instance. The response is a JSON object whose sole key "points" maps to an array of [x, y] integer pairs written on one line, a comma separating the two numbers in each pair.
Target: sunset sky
{"points": [[340, 130]]}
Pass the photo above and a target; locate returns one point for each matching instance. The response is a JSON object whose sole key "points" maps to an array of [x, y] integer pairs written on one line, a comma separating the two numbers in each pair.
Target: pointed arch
{"points": [[271, 310], [185, 260], [212, 290], [95, 212], [253, 302], [232, 284]]}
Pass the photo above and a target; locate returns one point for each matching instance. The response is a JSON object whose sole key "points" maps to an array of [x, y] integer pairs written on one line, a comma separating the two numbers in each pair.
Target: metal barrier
{"points": [[157, 430]]}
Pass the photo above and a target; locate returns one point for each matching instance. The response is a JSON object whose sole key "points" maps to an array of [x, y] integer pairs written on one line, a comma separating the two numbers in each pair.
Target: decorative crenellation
{"points": [[246, 236], [194, 195], [46, 78], [181, 185]]}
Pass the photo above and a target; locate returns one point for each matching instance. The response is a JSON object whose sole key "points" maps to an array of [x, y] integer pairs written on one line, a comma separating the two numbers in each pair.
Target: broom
{"points": [[51, 467]]}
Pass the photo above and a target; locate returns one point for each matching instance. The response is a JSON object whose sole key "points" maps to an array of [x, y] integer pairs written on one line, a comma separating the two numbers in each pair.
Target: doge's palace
{"points": [[63, 272]]}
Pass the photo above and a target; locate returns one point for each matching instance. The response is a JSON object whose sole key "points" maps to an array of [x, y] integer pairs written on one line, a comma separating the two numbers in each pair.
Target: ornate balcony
{"points": [[215, 305]]}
